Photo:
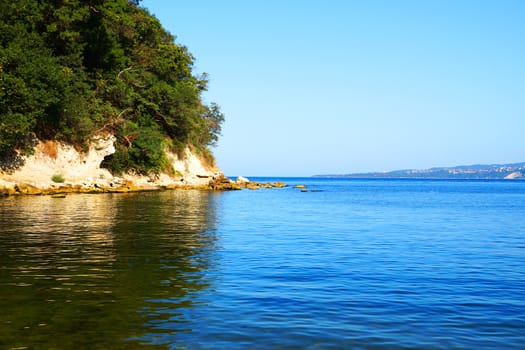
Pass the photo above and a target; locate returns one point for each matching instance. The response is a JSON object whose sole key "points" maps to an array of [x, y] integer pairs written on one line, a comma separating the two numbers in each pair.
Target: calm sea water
{"points": [[357, 264]]}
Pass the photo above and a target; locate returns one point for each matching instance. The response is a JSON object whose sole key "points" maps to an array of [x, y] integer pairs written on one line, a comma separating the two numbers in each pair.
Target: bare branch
{"points": [[115, 122], [124, 70]]}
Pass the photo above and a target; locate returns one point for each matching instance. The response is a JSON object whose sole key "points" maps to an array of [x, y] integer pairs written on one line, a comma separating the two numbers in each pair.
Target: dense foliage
{"points": [[71, 69]]}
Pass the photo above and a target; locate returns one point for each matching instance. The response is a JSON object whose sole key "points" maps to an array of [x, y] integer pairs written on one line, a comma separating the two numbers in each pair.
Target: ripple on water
{"points": [[360, 265]]}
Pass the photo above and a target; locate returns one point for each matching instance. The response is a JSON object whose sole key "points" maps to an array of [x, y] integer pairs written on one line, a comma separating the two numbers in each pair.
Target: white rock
{"points": [[242, 180], [83, 168]]}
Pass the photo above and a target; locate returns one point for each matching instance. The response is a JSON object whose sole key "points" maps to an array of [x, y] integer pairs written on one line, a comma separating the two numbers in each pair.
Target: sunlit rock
{"points": [[241, 180]]}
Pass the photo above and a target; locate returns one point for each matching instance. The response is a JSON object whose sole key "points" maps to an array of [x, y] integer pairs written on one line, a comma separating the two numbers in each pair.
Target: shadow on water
{"points": [[103, 271]]}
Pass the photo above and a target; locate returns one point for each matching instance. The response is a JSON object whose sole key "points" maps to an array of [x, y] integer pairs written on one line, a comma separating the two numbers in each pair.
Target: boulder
{"points": [[222, 183], [242, 180], [252, 186], [27, 189]]}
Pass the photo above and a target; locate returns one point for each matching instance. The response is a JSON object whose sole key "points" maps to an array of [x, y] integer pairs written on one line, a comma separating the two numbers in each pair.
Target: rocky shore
{"points": [[55, 168], [243, 182], [122, 185]]}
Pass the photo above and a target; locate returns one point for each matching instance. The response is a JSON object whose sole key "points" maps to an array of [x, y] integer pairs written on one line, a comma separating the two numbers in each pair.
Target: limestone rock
{"points": [[221, 183], [27, 189], [241, 180], [252, 186], [81, 172]]}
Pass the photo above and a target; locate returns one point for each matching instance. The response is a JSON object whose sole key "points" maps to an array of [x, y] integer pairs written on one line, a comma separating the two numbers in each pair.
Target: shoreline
{"points": [[22, 189], [123, 185], [58, 168]]}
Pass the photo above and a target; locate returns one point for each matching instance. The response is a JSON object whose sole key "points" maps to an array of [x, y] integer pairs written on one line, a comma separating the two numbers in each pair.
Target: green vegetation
{"points": [[71, 69], [58, 178]]}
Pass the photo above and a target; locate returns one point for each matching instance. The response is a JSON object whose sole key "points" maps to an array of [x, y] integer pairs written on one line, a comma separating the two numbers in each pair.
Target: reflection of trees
{"points": [[46, 226], [165, 252], [90, 271]]}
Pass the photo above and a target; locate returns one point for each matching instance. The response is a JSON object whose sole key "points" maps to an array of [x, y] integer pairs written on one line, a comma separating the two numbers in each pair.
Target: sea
{"points": [[346, 264]]}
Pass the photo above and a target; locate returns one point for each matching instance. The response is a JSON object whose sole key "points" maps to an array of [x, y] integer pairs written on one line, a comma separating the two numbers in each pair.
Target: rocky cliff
{"points": [[55, 167]]}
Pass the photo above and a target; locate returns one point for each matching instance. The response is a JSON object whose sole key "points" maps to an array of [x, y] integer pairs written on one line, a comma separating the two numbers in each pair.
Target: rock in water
{"points": [[242, 180], [222, 183]]}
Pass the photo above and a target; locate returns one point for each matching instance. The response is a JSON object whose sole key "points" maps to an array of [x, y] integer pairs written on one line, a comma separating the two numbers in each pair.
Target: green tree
{"points": [[70, 69]]}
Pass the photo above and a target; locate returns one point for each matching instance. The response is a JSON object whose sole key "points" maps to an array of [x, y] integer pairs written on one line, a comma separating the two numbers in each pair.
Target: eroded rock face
{"points": [[191, 170], [55, 167], [53, 160]]}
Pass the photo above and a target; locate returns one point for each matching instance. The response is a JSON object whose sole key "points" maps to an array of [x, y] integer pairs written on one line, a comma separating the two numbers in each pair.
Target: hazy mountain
{"points": [[514, 171]]}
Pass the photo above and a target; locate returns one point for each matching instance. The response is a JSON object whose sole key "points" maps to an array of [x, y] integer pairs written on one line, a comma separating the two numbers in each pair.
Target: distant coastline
{"points": [[514, 171]]}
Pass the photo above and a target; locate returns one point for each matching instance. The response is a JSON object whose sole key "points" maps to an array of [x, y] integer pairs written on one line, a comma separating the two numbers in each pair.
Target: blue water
{"points": [[354, 264]]}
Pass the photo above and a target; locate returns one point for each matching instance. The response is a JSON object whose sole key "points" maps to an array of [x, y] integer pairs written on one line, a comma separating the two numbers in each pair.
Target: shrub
{"points": [[58, 178]]}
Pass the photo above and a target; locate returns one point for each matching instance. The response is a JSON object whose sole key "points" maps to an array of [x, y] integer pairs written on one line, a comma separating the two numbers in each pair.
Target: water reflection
{"points": [[103, 271]]}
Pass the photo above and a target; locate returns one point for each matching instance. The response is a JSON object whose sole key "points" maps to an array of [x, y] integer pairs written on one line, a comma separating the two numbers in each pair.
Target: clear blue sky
{"points": [[340, 86]]}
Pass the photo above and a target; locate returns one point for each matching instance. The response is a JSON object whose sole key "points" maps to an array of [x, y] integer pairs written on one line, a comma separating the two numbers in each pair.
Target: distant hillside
{"points": [[514, 171]]}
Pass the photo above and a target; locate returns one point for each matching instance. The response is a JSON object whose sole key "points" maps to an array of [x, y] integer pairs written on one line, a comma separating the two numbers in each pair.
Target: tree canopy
{"points": [[72, 69]]}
